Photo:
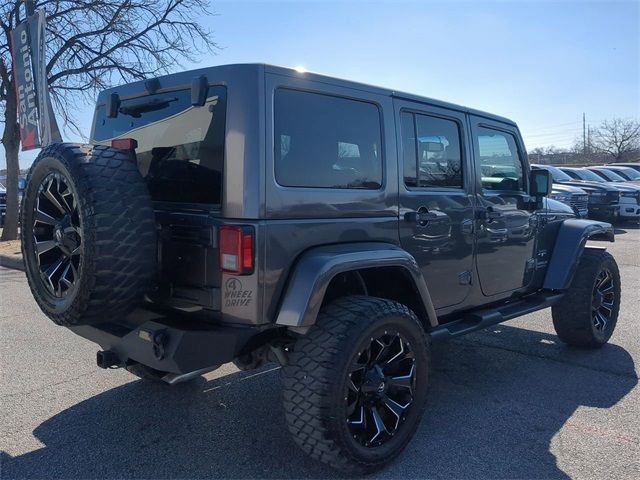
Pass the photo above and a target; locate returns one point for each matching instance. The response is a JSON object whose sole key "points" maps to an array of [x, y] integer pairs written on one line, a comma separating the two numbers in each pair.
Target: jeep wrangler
{"points": [[254, 214]]}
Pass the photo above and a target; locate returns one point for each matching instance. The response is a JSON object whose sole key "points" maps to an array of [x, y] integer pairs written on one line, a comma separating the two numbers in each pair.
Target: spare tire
{"points": [[88, 233]]}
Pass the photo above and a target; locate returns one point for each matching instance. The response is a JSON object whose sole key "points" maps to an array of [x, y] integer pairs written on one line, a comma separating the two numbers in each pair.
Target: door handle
{"points": [[420, 217]]}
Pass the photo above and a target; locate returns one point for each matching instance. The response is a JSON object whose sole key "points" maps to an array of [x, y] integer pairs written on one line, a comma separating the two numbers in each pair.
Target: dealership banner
{"points": [[38, 126]]}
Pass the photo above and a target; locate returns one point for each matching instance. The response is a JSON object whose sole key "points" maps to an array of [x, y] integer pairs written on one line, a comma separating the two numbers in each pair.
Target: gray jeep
{"points": [[253, 214]]}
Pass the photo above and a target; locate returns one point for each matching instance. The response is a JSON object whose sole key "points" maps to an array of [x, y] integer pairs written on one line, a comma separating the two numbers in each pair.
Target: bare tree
{"points": [[92, 45], [617, 138]]}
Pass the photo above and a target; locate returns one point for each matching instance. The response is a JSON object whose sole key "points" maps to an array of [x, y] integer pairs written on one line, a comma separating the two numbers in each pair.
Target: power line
{"points": [[552, 135], [551, 127], [551, 139]]}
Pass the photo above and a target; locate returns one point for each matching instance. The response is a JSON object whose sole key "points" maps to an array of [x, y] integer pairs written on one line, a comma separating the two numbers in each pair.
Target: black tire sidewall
{"points": [[573, 316], [355, 342], [119, 238], [52, 305]]}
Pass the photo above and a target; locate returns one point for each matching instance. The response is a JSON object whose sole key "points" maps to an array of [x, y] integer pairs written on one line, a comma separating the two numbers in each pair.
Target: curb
{"points": [[13, 262]]}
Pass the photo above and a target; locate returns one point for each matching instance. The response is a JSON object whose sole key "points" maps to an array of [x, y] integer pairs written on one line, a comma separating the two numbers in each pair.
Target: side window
{"points": [[322, 141], [500, 161], [431, 151]]}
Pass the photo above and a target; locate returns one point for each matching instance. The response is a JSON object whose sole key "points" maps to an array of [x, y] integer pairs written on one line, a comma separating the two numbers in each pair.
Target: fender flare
{"points": [[316, 268], [570, 243]]}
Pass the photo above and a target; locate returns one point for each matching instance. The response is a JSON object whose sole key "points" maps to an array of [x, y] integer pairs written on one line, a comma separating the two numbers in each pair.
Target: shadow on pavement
{"points": [[492, 413], [635, 225]]}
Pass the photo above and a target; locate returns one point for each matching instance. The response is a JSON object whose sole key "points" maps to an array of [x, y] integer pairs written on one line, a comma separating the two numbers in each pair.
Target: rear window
{"points": [[323, 141], [180, 147]]}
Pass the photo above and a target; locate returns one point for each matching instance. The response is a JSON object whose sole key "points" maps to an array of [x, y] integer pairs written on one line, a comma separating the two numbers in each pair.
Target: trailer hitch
{"points": [[108, 359]]}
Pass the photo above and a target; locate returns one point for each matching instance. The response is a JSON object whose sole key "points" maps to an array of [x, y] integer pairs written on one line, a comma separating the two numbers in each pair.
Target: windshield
{"points": [[609, 175], [557, 174], [628, 173], [588, 175]]}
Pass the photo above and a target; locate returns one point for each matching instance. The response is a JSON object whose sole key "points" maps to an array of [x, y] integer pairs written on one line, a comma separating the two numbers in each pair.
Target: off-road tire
{"points": [[315, 378], [573, 315], [118, 242]]}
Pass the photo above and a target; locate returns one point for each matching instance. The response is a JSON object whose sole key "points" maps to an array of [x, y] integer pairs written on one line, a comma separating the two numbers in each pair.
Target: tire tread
{"points": [[572, 314], [119, 233], [308, 378]]}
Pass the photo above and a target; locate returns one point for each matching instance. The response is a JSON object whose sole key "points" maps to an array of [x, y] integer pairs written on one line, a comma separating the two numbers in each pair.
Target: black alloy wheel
{"points": [[57, 235], [380, 389], [603, 302], [355, 385]]}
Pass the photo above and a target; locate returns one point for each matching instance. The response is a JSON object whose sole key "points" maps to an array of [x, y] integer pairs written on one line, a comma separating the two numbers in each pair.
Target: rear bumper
{"points": [[169, 346]]}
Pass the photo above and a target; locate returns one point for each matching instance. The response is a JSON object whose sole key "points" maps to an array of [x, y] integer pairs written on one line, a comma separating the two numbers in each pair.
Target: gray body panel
{"points": [[305, 236], [288, 240], [316, 268]]}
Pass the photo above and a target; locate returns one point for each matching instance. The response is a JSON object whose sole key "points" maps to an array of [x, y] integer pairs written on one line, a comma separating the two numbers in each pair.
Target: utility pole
{"points": [[584, 134]]}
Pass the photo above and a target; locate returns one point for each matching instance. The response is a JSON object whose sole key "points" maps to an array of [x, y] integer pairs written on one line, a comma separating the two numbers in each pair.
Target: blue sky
{"points": [[540, 63]]}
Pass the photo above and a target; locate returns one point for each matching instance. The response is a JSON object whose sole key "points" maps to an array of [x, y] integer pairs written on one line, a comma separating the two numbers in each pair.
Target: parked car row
{"points": [[22, 183], [612, 191]]}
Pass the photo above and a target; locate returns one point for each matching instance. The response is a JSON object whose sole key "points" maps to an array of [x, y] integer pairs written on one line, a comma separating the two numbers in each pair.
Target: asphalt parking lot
{"points": [[507, 402]]}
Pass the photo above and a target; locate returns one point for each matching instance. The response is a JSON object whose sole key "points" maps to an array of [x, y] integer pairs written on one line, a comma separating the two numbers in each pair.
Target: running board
{"points": [[479, 319]]}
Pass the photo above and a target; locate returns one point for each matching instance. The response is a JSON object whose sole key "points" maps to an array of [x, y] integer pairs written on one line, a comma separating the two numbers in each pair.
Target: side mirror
{"points": [[540, 183]]}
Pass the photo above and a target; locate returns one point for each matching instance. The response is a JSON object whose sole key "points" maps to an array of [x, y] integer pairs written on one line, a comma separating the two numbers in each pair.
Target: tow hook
{"points": [[107, 359], [158, 339]]}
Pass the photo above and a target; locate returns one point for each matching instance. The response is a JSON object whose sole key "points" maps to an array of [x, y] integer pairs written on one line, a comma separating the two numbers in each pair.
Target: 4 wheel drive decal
{"points": [[235, 295]]}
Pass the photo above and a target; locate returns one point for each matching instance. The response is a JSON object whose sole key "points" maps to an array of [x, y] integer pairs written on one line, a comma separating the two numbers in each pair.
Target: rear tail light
{"points": [[236, 249]]}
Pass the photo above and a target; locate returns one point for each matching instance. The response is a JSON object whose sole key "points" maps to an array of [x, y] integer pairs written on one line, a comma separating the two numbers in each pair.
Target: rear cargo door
{"points": [[180, 154]]}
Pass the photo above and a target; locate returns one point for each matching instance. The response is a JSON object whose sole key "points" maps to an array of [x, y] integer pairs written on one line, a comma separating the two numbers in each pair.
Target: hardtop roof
{"points": [[219, 72]]}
